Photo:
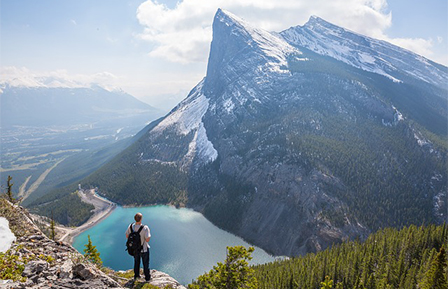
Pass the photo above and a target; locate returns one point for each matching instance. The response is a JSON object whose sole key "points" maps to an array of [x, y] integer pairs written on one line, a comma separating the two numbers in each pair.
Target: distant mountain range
{"points": [[52, 136], [297, 140], [42, 106]]}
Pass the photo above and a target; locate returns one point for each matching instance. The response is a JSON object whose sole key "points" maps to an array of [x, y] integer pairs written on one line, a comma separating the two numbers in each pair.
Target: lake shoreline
{"points": [[178, 237], [103, 208]]}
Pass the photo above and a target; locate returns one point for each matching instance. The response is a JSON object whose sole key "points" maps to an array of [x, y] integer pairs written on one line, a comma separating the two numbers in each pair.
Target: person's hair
{"points": [[138, 217]]}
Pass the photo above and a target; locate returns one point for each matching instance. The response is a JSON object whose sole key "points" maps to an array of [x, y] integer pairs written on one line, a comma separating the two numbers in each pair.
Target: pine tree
{"points": [[327, 283], [435, 278], [235, 273], [52, 232], [9, 192], [91, 253]]}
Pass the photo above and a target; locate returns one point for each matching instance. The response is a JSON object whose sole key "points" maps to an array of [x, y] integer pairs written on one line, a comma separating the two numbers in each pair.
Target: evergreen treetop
{"points": [[91, 253]]}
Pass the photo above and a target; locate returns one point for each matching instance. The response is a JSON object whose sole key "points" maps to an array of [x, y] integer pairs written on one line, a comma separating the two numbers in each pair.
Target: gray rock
{"points": [[79, 284], [110, 282], [84, 272], [163, 280], [35, 268], [66, 270], [34, 278], [25, 251], [36, 237]]}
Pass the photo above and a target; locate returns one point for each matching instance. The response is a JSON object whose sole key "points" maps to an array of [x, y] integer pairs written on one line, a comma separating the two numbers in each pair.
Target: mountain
{"points": [[43, 106], [297, 140]]}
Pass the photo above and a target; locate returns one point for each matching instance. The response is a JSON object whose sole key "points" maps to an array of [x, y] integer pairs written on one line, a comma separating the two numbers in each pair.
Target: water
{"points": [[183, 243]]}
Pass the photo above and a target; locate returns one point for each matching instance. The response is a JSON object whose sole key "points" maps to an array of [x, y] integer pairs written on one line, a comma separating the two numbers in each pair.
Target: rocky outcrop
{"points": [[52, 264]]}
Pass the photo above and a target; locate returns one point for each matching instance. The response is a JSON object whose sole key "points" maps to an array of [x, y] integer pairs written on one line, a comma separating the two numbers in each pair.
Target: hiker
{"points": [[139, 249]]}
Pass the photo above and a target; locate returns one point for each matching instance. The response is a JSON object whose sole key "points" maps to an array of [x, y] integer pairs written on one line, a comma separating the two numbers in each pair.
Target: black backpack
{"points": [[134, 243]]}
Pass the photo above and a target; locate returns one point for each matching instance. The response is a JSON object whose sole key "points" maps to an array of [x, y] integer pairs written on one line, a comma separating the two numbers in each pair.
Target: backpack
{"points": [[134, 243]]}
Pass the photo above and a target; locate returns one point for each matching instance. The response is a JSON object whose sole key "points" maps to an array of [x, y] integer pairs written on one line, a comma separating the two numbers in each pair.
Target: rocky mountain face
{"points": [[51, 264], [297, 140]]}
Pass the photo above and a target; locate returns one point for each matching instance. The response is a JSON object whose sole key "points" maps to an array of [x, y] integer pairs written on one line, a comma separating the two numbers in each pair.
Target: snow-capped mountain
{"points": [[364, 52], [294, 150]]}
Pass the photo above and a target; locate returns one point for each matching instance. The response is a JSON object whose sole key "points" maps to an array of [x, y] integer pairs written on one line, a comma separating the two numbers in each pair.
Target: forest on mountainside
{"points": [[408, 258]]}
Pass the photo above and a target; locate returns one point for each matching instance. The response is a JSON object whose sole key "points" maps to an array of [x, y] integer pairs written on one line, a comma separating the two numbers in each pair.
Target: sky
{"points": [[158, 50]]}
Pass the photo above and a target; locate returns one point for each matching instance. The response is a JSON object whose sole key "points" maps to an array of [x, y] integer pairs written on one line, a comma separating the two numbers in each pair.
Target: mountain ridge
{"points": [[369, 54]]}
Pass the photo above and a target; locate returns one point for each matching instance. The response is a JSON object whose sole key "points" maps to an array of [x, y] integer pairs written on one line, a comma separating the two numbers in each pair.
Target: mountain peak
{"points": [[225, 16], [319, 24], [236, 41], [317, 19], [238, 27]]}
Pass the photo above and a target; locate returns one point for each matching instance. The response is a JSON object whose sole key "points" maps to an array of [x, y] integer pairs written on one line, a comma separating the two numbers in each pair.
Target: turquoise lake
{"points": [[184, 244]]}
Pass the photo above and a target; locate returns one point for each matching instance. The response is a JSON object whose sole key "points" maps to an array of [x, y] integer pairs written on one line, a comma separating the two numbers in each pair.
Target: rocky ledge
{"points": [[40, 262]]}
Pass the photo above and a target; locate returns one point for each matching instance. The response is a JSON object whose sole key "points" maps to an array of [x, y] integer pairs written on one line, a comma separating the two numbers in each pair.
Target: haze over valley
{"points": [[42, 127]]}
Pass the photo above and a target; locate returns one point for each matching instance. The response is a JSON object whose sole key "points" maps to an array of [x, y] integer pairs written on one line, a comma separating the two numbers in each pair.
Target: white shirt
{"points": [[144, 234]]}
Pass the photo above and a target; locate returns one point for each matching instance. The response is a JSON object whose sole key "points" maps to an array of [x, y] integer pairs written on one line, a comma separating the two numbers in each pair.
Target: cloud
{"points": [[418, 45], [73, 22], [183, 34], [23, 77]]}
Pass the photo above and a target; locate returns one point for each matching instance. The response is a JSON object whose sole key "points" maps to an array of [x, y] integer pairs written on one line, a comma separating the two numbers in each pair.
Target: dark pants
{"points": [[145, 259]]}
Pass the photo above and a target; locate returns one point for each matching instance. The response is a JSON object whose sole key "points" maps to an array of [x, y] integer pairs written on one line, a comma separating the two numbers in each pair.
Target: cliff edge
{"points": [[36, 261]]}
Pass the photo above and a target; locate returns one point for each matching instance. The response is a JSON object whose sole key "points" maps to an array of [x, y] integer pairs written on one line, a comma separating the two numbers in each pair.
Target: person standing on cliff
{"points": [[145, 235]]}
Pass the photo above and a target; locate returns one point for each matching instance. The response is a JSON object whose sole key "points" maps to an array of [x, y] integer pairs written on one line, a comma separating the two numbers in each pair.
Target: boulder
{"points": [[84, 272]]}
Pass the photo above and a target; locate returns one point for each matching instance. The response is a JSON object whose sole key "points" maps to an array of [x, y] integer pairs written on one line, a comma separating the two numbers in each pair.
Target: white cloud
{"points": [[418, 45], [183, 33], [15, 76], [439, 39]]}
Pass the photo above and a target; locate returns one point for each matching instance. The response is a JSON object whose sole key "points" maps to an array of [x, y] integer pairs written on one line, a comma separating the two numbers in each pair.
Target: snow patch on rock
{"points": [[188, 114], [187, 117], [421, 140], [229, 105], [201, 146], [398, 116], [6, 236]]}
